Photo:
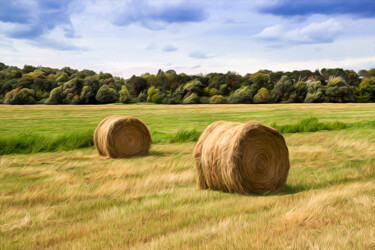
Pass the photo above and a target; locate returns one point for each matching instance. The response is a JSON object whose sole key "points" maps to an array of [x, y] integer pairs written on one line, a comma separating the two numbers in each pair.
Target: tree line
{"points": [[44, 85]]}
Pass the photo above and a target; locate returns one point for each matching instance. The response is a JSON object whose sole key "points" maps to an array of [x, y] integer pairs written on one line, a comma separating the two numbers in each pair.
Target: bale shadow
{"points": [[297, 188]]}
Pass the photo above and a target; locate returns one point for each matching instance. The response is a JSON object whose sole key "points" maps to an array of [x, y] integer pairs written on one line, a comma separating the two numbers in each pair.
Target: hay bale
{"points": [[122, 137], [241, 157]]}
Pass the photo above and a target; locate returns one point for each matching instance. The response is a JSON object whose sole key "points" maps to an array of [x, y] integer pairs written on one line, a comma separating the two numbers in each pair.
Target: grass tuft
{"points": [[28, 142], [362, 124], [312, 124], [309, 125], [182, 135]]}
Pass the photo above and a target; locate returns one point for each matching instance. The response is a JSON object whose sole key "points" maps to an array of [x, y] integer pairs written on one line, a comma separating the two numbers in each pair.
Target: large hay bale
{"points": [[122, 137], [241, 157]]}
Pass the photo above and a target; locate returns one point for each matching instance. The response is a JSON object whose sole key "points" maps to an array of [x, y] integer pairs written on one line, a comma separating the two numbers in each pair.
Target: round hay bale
{"points": [[241, 157], [122, 137]]}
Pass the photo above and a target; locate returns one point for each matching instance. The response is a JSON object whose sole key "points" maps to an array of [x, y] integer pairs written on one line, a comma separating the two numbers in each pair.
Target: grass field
{"points": [[76, 199]]}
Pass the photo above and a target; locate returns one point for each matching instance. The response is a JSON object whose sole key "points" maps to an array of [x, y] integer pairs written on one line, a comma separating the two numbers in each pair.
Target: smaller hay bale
{"points": [[122, 137], [241, 157]]}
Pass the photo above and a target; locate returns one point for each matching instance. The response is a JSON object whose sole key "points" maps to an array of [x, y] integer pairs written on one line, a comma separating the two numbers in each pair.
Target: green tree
{"points": [[314, 92], [20, 96], [262, 96], [194, 86], [241, 95], [339, 91], [282, 90], [218, 99], [154, 95], [106, 95], [191, 99], [299, 91], [136, 85], [366, 90], [56, 96], [257, 81], [124, 95]]}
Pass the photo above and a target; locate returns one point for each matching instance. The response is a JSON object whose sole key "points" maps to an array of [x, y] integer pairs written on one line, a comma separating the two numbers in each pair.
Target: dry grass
{"points": [[79, 200]]}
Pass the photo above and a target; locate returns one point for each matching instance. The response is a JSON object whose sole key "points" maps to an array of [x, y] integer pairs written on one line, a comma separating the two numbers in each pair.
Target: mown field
{"points": [[76, 199]]}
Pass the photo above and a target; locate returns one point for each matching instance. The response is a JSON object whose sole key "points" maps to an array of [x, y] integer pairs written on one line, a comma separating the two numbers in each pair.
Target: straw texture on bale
{"points": [[241, 157], [122, 137]]}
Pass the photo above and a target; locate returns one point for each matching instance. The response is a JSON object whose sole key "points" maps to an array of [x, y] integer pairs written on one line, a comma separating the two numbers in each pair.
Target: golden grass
{"points": [[78, 200]]}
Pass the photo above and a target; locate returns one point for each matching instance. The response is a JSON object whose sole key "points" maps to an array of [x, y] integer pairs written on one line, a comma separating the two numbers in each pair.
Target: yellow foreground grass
{"points": [[77, 200]]}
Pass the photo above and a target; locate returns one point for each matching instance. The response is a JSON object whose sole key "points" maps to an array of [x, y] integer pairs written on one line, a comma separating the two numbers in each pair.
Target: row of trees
{"points": [[43, 85]]}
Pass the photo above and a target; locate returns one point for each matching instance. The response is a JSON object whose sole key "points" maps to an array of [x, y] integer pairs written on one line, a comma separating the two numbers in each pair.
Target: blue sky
{"points": [[138, 36]]}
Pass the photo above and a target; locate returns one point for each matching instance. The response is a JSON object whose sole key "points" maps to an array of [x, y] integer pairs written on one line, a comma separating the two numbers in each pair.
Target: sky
{"points": [[139, 36]]}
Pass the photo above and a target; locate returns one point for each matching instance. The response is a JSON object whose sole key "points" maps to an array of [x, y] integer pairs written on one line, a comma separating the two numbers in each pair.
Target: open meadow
{"points": [[76, 199]]}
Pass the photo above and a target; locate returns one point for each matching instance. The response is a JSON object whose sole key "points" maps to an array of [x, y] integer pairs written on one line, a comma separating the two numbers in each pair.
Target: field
{"points": [[76, 199]]}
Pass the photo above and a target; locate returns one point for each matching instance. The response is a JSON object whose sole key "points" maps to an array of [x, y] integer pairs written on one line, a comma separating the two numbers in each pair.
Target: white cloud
{"points": [[271, 33], [151, 46], [169, 48], [195, 66], [315, 32], [324, 32], [200, 55]]}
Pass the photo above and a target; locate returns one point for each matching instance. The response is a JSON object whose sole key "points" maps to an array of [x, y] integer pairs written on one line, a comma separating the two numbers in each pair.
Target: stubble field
{"points": [[76, 199]]}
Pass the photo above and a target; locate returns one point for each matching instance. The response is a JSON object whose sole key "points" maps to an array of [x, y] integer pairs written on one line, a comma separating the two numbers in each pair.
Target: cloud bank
{"points": [[156, 15], [287, 8]]}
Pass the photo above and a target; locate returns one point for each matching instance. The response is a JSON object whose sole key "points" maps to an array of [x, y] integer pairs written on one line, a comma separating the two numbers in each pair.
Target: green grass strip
{"points": [[309, 125], [312, 125], [28, 142], [182, 135]]}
